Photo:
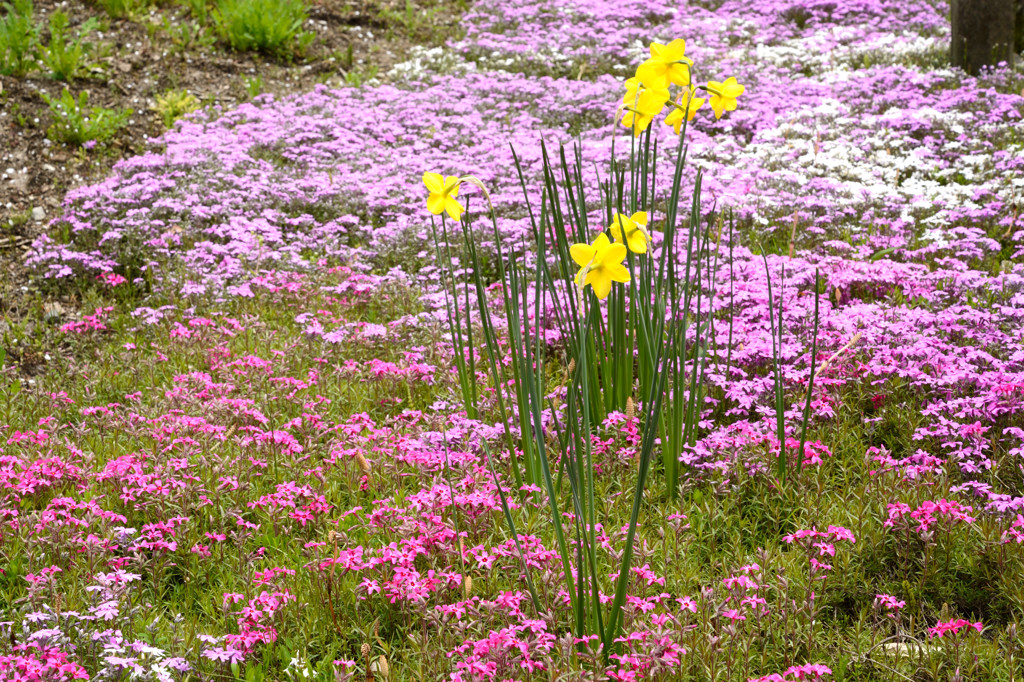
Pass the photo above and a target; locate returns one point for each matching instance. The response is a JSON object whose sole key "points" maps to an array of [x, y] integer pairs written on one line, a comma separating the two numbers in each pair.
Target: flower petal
{"points": [[435, 204], [676, 50], [613, 254], [718, 104], [732, 89], [652, 74], [679, 74], [582, 254], [695, 104], [675, 119], [454, 208], [617, 273], [618, 223], [637, 242], [451, 186], [601, 282], [434, 183]]}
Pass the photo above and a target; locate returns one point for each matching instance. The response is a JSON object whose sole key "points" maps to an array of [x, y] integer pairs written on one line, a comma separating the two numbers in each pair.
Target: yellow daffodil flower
{"points": [[642, 111], [600, 264], [682, 108], [670, 62], [723, 95], [631, 231], [646, 77], [443, 191]]}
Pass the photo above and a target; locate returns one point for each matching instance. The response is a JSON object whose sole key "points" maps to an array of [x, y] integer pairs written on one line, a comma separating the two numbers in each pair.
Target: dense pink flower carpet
{"points": [[243, 468]]}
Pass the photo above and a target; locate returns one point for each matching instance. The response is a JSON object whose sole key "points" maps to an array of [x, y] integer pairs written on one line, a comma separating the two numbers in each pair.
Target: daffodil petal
{"points": [[675, 119], [602, 243], [676, 49], [718, 106], [435, 203], [434, 183], [613, 254], [451, 185], [638, 242], [453, 208], [679, 74], [582, 253], [617, 273], [652, 74], [602, 285]]}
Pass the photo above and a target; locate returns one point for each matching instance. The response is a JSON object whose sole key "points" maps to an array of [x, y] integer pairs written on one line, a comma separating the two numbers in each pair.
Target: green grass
{"points": [[733, 519], [272, 27]]}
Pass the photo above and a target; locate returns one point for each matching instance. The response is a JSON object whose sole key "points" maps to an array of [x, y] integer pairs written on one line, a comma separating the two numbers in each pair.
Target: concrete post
{"points": [[983, 33]]}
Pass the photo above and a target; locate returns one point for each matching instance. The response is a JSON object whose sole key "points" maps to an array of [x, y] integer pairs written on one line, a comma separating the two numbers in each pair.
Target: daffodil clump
{"points": [[648, 93], [626, 346]]}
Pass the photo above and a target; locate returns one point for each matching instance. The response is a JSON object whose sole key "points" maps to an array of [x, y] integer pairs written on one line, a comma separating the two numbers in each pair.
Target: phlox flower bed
{"points": [[254, 456]]}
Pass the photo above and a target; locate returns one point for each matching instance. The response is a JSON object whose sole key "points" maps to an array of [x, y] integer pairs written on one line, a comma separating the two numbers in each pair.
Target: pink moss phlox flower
{"points": [[953, 626]]}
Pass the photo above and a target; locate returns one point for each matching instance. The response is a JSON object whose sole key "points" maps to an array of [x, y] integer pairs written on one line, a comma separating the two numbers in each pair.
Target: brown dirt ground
{"points": [[146, 55]]}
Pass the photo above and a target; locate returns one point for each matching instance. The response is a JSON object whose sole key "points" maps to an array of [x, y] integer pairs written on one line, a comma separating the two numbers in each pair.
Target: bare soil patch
{"points": [[160, 49]]}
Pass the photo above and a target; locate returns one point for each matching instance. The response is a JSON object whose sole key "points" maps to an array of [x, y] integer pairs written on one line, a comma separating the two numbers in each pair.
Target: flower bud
{"points": [[364, 465]]}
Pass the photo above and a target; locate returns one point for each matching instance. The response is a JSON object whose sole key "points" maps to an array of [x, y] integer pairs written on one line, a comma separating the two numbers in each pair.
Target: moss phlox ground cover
{"points": [[252, 459]]}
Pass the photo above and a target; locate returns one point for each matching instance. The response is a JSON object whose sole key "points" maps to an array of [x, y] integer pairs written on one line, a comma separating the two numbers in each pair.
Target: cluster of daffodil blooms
{"points": [[647, 95], [600, 263], [648, 92]]}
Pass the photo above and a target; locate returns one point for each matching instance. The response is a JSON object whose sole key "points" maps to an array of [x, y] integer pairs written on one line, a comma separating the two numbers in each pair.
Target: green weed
{"points": [[253, 86], [75, 124], [64, 56], [19, 39], [272, 27], [174, 104], [123, 9]]}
